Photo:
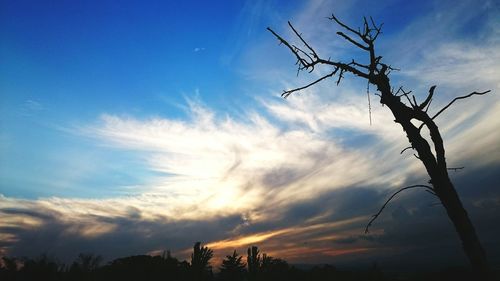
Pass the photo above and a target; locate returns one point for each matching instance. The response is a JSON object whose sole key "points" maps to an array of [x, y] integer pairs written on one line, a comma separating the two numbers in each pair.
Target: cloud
{"points": [[210, 168], [299, 177], [233, 183], [221, 160], [460, 65], [33, 105]]}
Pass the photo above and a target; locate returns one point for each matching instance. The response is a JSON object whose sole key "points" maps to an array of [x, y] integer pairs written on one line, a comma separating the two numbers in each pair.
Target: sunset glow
{"points": [[156, 125]]}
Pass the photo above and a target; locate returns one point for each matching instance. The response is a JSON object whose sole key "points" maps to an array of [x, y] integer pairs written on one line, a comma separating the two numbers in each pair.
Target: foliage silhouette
{"points": [[41, 268], [253, 262], [375, 72], [9, 264], [265, 267], [233, 268], [141, 267], [273, 269], [85, 266], [200, 262]]}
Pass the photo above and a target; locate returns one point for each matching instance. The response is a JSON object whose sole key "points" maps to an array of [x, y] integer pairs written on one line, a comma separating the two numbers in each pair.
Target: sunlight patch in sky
{"points": [[165, 131]]}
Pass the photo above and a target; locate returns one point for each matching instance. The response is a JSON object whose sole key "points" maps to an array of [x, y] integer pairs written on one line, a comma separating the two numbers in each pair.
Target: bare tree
{"points": [[404, 108]]}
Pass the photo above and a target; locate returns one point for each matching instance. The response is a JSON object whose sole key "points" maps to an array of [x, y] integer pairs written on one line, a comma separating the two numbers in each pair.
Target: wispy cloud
{"points": [[297, 176], [278, 180], [223, 162]]}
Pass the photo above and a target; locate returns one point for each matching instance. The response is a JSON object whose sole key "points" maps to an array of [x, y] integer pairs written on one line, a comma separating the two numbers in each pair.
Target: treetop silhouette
{"points": [[200, 262], [232, 267]]}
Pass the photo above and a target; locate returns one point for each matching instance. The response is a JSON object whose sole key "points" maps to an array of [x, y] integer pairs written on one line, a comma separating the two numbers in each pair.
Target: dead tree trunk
{"points": [[438, 172], [377, 73]]}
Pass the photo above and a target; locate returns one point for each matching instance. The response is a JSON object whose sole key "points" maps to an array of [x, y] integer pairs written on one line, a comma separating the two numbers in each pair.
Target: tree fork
{"points": [[440, 179]]}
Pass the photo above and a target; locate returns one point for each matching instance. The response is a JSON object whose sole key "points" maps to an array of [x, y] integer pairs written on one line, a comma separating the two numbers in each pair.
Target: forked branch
{"points": [[286, 93], [308, 58], [450, 103]]}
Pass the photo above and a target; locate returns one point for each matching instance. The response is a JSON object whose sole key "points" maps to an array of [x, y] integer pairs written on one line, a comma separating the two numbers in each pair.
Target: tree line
{"points": [[256, 267]]}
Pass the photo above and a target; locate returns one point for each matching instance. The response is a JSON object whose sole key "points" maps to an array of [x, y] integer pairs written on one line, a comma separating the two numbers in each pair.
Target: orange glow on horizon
{"points": [[295, 249], [245, 241]]}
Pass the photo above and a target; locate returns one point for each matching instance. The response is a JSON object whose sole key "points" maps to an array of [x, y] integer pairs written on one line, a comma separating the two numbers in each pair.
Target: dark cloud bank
{"points": [[413, 232]]}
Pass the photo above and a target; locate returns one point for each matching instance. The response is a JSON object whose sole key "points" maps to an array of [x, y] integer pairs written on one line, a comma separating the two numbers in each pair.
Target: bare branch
{"points": [[373, 23], [455, 168], [366, 29], [303, 52], [345, 26], [450, 103], [340, 76], [428, 106], [302, 39], [406, 148], [428, 99], [400, 89], [406, 95], [353, 41], [459, 98], [345, 67], [301, 60], [374, 217], [359, 64], [306, 62], [377, 29], [285, 94], [388, 66], [415, 104]]}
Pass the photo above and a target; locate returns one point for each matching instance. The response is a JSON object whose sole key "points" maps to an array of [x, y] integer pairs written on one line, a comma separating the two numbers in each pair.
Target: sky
{"points": [[133, 127]]}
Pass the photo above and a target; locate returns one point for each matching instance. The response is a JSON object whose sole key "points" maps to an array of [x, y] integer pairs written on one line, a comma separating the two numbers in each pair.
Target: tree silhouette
{"points": [[200, 262], [85, 266], [273, 268], [253, 262], [264, 267], [9, 264], [377, 73], [41, 268], [166, 267], [86, 262], [233, 268], [8, 268], [143, 267]]}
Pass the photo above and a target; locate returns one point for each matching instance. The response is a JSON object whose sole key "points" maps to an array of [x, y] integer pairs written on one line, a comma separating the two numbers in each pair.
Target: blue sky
{"points": [[166, 116], [66, 63]]}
